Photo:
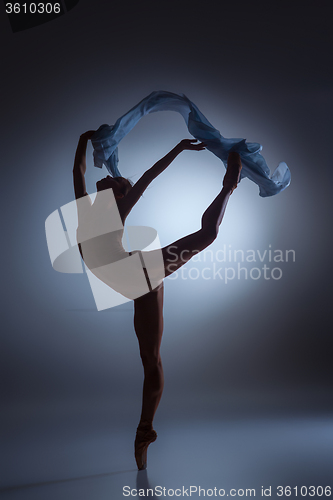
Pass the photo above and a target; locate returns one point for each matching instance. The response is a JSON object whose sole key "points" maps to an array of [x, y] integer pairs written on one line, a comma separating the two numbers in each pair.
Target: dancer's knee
{"points": [[151, 361], [152, 364], [154, 377]]}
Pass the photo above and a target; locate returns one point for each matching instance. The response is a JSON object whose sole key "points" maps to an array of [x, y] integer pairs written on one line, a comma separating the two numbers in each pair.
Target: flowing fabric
{"points": [[107, 137]]}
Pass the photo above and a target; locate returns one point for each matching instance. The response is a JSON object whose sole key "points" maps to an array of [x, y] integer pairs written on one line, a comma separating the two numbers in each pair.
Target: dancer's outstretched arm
{"points": [[128, 202], [80, 166]]}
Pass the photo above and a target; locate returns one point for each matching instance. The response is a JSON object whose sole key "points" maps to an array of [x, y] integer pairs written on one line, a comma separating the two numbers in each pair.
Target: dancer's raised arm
{"points": [[80, 166], [128, 202]]}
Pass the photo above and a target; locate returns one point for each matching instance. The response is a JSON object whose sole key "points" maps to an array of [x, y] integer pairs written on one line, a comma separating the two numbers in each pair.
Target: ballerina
{"points": [[148, 308]]}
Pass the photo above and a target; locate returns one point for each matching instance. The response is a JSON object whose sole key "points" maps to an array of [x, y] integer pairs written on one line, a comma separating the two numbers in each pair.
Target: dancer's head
{"points": [[120, 185]]}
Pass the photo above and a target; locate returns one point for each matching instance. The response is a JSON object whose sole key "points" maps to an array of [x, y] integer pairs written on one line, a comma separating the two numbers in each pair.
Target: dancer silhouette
{"points": [[148, 308]]}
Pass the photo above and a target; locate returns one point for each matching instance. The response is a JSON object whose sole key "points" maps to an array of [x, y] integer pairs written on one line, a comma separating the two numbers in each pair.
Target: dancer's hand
{"points": [[88, 135], [189, 144]]}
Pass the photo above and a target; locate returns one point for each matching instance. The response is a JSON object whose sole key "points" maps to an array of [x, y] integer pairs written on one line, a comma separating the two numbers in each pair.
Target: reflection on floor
{"points": [[232, 455]]}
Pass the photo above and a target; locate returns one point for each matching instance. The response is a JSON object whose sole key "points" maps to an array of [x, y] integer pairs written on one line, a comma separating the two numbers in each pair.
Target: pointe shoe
{"points": [[142, 440], [232, 174]]}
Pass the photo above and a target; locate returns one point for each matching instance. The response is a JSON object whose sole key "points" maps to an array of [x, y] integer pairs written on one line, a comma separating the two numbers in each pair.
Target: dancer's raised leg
{"points": [[182, 250], [148, 324]]}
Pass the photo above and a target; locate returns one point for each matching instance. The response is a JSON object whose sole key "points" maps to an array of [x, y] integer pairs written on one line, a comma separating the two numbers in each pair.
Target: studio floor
{"points": [[71, 458]]}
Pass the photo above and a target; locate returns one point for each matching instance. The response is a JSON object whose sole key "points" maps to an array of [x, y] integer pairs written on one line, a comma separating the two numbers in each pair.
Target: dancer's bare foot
{"points": [[232, 174], [142, 440]]}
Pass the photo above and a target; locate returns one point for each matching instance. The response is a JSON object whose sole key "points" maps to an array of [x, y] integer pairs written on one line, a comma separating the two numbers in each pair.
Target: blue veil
{"points": [[107, 137]]}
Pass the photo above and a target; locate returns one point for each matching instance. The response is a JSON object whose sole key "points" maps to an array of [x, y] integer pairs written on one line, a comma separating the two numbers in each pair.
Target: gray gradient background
{"points": [[236, 352]]}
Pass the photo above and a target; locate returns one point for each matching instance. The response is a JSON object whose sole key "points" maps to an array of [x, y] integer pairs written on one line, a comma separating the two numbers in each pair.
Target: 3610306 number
{"points": [[304, 491], [33, 8]]}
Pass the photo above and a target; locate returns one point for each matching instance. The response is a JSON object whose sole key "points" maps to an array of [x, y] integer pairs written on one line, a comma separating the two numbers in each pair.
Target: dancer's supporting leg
{"points": [[148, 309], [181, 251], [148, 324]]}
